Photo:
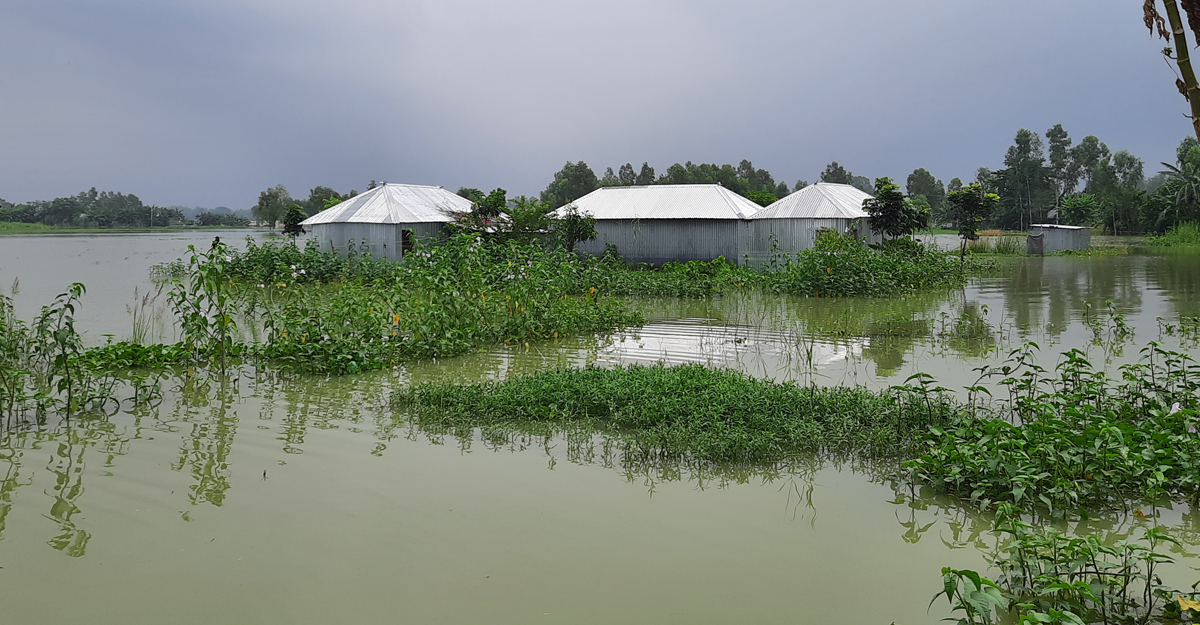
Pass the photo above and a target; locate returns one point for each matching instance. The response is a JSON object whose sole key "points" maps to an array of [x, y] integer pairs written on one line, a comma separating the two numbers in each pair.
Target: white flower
{"points": [[229, 259], [302, 272], [294, 274], [293, 267], [261, 286]]}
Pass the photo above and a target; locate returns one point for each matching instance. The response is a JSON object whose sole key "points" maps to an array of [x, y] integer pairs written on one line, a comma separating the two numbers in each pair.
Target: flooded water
{"points": [[261, 498]]}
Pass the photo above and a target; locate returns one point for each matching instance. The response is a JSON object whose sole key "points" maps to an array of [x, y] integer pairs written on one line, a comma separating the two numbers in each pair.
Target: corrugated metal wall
{"points": [[791, 235], [1064, 239], [659, 241], [381, 240]]}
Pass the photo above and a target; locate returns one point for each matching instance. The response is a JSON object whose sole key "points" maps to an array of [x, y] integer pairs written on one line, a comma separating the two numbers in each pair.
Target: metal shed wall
{"points": [[659, 241], [381, 240], [791, 235], [1063, 239]]}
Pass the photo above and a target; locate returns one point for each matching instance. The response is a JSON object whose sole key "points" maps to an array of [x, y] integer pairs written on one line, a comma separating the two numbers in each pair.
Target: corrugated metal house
{"points": [[796, 219], [385, 220], [662, 223], [1056, 238]]}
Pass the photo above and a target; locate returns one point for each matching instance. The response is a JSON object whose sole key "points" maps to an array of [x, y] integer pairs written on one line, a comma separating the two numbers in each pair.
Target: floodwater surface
{"points": [[266, 498]]}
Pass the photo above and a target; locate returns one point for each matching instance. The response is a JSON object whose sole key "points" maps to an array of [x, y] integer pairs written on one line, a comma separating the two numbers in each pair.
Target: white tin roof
{"points": [[823, 200], [1058, 227], [667, 201], [394, 204]]}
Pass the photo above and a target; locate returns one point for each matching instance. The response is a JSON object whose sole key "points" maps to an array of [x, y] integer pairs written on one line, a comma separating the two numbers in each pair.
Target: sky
{"points": [[208, 102]]}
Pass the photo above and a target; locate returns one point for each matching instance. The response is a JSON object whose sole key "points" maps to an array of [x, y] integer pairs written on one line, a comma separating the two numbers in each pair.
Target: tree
{"points": [[862, 183], [318, 199], [572, 182], [800, 184], [272, 204], [610, 179], [492, 205], [470, 193], [969, 207], [890, 215], [1064, 171], [1185, 146], [573, 226], [921, 182], [1025, 181], [1187, 85], [1087, 155], [781, 190], [837, 174], [956, 184], [1128, 169], [762, 198], [291, 221], [646, 175], [626, 175], [1080, 209]]}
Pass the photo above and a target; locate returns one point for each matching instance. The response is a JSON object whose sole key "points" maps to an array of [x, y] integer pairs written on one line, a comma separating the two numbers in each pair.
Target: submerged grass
{"points": [[1070, 441], [688, 412]]}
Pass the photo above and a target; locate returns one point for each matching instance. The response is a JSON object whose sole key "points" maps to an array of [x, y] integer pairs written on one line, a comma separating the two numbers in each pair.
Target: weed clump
{"points": [[689, 412]]}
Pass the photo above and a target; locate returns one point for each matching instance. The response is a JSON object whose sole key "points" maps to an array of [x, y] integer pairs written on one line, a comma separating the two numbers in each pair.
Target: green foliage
{"points": [[204, 305], [1075, 440], [922, 183], [890, 214], [221, 219], [837, 174], [1080, 209], [291, 221], [572, 226], [572, 182], [272, 205], [762, 198], [1048, 577], [969, 208], [688, 412], [93, 209], [1186, 234]]}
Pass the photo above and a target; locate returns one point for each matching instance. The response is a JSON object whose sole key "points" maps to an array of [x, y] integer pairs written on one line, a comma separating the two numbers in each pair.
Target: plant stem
{"points": [[1184, 61]]}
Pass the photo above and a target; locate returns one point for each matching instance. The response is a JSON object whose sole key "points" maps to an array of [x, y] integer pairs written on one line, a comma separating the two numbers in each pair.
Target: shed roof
{"points": [[394, 204], [823, 200], [1059, 227], [667, 201]]}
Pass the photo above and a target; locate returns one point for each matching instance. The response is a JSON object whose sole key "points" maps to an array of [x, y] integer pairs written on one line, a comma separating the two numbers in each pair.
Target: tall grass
{"points": [[1186, 234]]}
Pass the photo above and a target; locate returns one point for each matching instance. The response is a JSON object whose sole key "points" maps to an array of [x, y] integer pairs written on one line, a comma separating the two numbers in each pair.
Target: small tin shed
{"points": [[385, 220], [795, 220], [1056, 238], [663, 223]]}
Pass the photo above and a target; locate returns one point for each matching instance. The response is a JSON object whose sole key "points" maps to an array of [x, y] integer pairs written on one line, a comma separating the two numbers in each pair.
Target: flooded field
{"points": [[258, 497]]}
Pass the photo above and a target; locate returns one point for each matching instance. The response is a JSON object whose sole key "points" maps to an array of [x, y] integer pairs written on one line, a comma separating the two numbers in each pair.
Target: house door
{"points": [[406, 242]]}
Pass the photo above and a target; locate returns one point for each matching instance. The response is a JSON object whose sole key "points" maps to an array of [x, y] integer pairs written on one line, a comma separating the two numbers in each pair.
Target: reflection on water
{"points": [[300, 499]]}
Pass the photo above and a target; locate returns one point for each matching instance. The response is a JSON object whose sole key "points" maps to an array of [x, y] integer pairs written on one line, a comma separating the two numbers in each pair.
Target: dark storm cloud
{"points": [[208, 102]]}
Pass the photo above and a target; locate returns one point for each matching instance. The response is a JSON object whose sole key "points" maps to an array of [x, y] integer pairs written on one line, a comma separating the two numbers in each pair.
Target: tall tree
{"points": [[956, 184], [1128, 169], [272, 204], [921, 182], [626, 175], [1087, 155], [572, 182], [834, 172], [862, 183], [291, 221], [610, 179], [646, 175], [1025, 179], [800, 184], [319, 197], [1187, 84], [1064, 171]]}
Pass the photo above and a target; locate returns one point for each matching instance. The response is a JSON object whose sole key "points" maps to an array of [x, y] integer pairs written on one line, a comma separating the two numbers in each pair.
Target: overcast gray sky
{"points": [[207, 102]]}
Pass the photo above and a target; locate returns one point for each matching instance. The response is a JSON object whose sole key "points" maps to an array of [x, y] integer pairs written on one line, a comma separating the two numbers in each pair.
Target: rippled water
{"points": [[261, 498]]}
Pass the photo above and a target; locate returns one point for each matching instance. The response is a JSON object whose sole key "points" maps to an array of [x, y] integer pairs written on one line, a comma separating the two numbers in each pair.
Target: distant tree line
{"points": [[93, 209]]}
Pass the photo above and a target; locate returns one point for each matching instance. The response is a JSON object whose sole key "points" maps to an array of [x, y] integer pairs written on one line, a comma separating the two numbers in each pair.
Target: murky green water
{"points": [[261, 498]]}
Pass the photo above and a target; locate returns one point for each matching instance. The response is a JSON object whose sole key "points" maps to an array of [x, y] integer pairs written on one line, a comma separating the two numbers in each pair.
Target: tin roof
{"points": [[1059, 227], [394, 204], [667, 201], [823, 200]]}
